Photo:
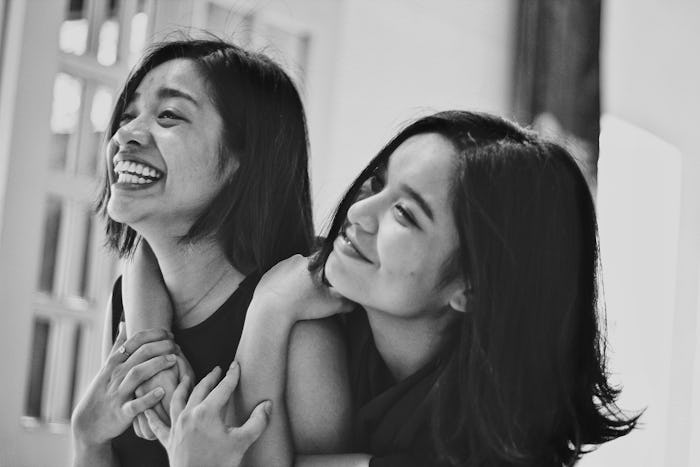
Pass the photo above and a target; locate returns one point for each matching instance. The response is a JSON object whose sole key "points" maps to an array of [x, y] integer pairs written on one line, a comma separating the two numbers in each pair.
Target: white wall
{"points": [[398, 59], [649, 204]]}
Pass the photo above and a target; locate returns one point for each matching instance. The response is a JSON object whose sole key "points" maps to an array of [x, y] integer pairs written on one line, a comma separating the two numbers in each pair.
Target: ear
{"points": [[458, 299]]}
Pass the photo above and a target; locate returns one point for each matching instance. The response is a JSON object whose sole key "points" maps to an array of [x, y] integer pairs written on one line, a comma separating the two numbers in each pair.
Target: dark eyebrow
{"points": [[166, 93], [418, 199]]}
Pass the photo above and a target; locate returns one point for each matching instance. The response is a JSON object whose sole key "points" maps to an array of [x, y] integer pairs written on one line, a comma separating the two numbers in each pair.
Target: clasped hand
{"points": [[109, 405], [198, 434]]}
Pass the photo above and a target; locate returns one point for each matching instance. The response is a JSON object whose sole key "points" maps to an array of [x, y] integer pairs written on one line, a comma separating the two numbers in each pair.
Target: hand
{"points": [[168, 379], [108, 406], [291, 288], [199, 435]]}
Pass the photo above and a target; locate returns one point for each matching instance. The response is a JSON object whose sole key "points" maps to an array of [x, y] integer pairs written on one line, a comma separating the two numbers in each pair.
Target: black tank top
{"points": [[210, 343]]}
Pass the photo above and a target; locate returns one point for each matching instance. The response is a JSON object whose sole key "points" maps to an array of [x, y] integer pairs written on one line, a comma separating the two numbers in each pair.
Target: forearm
{"points": [[335, 460], [262, 355], [144, 294]]}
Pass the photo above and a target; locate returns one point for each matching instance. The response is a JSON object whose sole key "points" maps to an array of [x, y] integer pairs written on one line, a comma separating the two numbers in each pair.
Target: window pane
{"points": [[73, 35], [87, 257], [139, 29], [108, 39], [100, 111], [67, 94], [75, 364], [37, 367], [52, 227]]}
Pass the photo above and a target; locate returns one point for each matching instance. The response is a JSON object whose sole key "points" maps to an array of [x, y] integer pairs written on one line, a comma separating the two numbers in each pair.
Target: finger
{"points": [[219, 396], [146, 432], [179, 399], [137, 427], [160, 429], [251, 430], [134, 407], [150, 350], [141, 373], [204, 387], [115, 356], [149, 335]]}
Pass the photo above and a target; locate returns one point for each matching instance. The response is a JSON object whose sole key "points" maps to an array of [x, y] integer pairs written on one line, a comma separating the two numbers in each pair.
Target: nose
{"points": [[133, 132], [364, 213]]}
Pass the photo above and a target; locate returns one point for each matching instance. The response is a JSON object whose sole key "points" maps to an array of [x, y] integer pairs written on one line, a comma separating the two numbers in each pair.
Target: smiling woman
{"points": [[469, 246], [206, 169]]}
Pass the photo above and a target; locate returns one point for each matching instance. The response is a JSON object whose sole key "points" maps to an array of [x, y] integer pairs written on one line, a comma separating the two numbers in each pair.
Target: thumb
{"points": [[251, 430]]}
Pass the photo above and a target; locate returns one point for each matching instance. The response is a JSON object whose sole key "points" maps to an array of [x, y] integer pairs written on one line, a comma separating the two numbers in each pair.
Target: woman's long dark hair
{"points": [[526, 383], [262, 214]]}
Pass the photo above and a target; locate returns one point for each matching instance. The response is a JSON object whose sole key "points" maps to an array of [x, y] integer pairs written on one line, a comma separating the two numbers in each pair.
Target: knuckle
{"points": [[199, 413]]}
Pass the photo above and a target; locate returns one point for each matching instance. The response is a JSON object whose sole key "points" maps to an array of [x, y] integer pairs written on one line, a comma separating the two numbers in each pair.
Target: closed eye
{"points": [[404, 215], [169, 115]]}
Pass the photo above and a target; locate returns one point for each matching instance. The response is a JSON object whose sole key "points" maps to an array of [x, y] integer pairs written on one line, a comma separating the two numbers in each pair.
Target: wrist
{"points": [[84, 446]]}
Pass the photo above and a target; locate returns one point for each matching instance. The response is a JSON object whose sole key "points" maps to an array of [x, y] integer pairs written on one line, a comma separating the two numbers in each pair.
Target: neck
{"points": [[198, 276], [408, 344]]}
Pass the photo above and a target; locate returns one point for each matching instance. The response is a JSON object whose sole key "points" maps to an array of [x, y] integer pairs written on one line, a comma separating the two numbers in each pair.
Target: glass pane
{"points": [[108, 39], [87, 257], [37, 367], [73, 35], [52, 227], [100, 111], [75, 364], [139, 29], [67, 96]]}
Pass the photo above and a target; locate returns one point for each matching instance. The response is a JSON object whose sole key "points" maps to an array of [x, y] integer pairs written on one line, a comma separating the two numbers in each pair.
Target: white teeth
{"points": [[139, 169], [142, 180]]}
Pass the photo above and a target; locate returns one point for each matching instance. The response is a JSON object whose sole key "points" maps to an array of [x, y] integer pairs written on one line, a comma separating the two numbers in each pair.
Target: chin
{"points": [[340, 279]]}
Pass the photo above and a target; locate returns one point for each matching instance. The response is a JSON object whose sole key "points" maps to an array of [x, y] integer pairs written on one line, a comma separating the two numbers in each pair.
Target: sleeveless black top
{"points": [[210, 343], [391, 419]]}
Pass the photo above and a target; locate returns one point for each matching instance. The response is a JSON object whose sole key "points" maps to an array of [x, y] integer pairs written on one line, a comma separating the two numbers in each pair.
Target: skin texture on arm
{"points": [[147, 306], [319, 376], [146, 301], [318, 397]]}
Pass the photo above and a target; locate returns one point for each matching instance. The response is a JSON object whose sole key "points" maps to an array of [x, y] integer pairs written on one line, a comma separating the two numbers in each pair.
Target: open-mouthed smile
{"points": [[136, 173]]}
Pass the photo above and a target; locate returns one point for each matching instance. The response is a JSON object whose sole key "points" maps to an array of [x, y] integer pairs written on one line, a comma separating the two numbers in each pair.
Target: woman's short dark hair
{"points": [[526, 382], [263, 213]]}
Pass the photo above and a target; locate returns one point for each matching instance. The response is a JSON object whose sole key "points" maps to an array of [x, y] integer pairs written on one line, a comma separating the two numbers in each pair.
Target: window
{"points": [[98, 42]]}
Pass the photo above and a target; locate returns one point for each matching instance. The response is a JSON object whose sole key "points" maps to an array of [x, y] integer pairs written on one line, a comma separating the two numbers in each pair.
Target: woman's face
{"points": [[392, 252], [164, 157]]}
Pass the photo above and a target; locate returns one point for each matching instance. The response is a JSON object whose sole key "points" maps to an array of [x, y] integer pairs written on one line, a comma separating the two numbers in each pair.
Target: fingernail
{"points": [[159, 392], [170, 357], [121, 326], [234, 365], [267, 407]]}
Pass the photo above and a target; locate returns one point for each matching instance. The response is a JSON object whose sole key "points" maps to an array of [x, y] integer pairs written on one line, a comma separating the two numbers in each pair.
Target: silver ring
{"points": [[122, 350]]}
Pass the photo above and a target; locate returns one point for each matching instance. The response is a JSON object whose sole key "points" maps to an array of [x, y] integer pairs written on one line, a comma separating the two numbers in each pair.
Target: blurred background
{"points": [[617, 80]]}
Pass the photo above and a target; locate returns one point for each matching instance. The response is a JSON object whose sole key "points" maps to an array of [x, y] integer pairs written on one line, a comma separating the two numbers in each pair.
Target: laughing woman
{"points": [[207, 162], [470, 248]]}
